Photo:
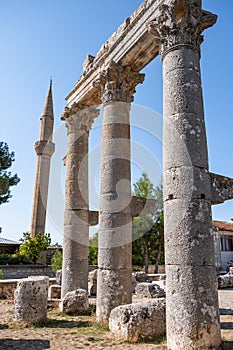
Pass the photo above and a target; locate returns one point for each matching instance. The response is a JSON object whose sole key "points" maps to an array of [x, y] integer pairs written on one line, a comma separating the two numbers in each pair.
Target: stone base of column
{"points": [[192, 308], [113, 289]]}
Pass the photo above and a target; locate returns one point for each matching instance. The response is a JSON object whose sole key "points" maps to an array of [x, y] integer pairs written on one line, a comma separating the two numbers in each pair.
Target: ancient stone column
{"points": [[76, 221], [115, 232], [44, 150], [192, 300]]}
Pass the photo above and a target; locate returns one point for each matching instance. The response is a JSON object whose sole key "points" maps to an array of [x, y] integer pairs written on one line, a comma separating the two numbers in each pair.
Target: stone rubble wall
{"points": [[24, 271]]}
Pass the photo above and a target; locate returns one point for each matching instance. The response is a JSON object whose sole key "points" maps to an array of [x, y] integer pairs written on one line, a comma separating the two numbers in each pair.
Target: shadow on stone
{"points": [[3, 326], [227, 325], [14, 344], [228, 345], [226, 311], [53, 323]]}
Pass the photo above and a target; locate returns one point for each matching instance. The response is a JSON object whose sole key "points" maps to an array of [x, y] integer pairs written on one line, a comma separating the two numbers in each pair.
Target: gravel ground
{"points": [[81, 332]]}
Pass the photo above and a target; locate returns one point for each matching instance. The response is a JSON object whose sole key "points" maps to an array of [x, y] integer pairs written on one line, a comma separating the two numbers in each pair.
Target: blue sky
{"points": [[42, 38]]}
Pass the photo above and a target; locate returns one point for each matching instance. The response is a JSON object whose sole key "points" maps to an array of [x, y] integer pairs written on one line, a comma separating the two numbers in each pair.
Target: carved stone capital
{"points": [[181, 23], [79, 117], [117, 83]]}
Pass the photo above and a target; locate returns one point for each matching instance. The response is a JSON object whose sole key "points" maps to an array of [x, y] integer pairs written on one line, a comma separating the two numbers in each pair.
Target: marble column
{"points": [[76, 221], [192, 299], [114, 281]]}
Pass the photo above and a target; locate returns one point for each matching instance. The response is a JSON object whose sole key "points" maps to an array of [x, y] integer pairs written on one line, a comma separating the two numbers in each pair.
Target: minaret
{"points": [[44, 149]]}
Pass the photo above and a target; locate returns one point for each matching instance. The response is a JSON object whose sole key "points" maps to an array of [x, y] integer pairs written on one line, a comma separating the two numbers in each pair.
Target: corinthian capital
{"points": [[181, 23], [117, 83], [79, 117]]}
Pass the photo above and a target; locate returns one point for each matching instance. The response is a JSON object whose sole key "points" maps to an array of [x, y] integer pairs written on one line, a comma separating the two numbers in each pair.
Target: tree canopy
{"points": [[32, 247], [148, 230], [6, 178]]}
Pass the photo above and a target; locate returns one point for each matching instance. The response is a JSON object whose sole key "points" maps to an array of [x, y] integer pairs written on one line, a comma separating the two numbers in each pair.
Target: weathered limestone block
{"points": [[75, 302], [141, 276], [118, 285], [30, 300], [58, 276], [92, 283], [225, 281], [54, 291], [145, 320], [149, 290]]}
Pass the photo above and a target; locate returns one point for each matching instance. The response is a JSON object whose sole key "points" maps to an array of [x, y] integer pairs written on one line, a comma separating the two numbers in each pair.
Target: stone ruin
{"points": [[30, 300], [172, 29]]}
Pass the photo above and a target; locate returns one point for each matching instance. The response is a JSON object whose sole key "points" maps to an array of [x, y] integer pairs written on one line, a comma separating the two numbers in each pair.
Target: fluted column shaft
{"points": [[115, 227], [192, 300]]}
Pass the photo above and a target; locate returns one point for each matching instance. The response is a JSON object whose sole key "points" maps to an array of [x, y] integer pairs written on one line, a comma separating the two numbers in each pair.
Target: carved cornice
{"points": [[181, 23], [79, 117], [117, 83]]}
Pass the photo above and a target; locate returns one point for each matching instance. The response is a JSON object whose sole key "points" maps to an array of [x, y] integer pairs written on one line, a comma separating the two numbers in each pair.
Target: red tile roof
{"points": [[223, 226]]}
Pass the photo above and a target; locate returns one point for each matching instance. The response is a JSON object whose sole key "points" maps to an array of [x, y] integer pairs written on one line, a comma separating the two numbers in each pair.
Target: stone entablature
{"points": [[131, 45]]}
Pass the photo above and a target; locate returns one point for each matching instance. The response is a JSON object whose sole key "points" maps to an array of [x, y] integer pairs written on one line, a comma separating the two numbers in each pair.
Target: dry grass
{"points": [[62, 332]]}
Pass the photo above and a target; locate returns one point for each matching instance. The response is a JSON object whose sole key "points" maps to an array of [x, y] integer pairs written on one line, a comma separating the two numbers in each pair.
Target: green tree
{"points": [[32, 247], [156, 242], [57, 261], [93, 250], [148, 233], [6, 178]]}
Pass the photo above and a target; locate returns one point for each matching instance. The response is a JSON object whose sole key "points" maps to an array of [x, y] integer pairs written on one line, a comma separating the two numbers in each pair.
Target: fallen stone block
{"points": [[145, 320], [30, 300], [75, 302], [149, 290], [54, 291]]}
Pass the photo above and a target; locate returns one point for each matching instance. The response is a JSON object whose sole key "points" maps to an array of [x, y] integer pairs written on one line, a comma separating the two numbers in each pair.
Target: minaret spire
{"points": [[44, 149], [47, 117]]}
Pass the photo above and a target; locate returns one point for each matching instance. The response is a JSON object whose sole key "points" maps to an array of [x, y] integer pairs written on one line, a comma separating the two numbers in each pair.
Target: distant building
{"points": [[224, 243], [8, 246]]}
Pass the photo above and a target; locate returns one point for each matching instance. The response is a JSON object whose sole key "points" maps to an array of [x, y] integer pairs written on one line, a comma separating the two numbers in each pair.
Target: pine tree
{"points": [[6, 178]]}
